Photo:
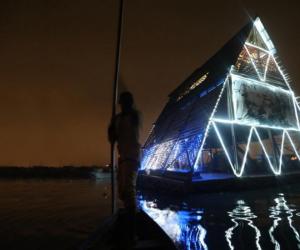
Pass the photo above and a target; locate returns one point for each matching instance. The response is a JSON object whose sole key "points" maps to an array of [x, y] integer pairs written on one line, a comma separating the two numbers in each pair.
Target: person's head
{"points": [[126, 101]]}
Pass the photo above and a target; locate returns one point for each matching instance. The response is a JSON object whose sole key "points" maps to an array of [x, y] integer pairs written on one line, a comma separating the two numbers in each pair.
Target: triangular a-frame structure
{"points": [[231, 117]]}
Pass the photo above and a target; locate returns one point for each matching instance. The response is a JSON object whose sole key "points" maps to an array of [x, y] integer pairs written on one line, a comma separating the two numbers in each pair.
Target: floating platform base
{"points": [[212, 183]]}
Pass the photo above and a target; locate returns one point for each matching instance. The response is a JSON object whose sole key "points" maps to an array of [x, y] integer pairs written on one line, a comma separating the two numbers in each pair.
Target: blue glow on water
{"points": [[259, 219], [182, 226]]}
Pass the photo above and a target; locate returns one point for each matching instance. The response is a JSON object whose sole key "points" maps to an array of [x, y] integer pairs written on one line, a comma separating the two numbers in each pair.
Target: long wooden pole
{"points": [[114, 104]]}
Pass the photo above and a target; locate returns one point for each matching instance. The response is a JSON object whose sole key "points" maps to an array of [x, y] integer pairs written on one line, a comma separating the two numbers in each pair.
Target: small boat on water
{"points": [[112, 233]]}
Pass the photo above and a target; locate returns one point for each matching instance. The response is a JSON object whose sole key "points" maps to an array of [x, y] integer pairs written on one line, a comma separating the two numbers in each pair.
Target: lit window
{"points": [[199, 81], [193, 86]]}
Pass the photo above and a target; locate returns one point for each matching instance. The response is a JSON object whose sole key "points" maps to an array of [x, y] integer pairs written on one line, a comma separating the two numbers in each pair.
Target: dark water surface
{"points": [[257, 219], [60, 214], [50, 214]]}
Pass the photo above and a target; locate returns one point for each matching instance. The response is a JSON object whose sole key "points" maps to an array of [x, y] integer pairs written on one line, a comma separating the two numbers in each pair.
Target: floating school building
{"points": [[236, 116]]}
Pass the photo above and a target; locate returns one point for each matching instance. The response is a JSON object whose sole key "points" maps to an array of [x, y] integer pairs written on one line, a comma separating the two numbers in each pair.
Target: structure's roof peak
{"points": [[223, 58]]}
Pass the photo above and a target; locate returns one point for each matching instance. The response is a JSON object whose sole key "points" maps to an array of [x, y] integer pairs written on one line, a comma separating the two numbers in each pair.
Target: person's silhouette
{"points": [[124, 130]]}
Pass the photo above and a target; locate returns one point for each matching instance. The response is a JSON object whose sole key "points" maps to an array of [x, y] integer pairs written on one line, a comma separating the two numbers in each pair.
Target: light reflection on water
{"points": [[281, 211], [183, 227], [242, 213], [59, 214], [261, 219]]}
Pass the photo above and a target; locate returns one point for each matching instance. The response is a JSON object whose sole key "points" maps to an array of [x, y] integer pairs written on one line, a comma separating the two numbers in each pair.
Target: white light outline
{"points": [[295, 109], [237, 122], [209, 123], [267, 67], [253, 64], [246, 152], [257, 47], [297, 104], [272, 88], [273, 168], [212, 120], [282, 74], [264, 35], [276, 172], [282, 148], [260, 83], [225, 150], [236, 173]]}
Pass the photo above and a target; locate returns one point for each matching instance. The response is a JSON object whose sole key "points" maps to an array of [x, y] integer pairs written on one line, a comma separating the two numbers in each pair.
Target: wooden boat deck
{"points": [[149, 235]]}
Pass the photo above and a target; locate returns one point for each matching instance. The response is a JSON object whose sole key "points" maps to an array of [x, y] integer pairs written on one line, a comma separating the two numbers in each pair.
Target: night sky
{"points": [[57, 65]]}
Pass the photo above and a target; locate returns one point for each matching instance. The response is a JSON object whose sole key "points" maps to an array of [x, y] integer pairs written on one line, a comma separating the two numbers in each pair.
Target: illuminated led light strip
{"points": [[267, 40], [209, 123], [264, 35], [266, 67], [240, 173], [253, 81], [223, 146], [202, 144], [212, 120], [268, 60], [295, 104], [253, 63], [293, 145], [282, 74], [220, 120], [276, 172], [236, 173], [297, 107], [246, 152], [281, 148], [272, 88], [257, 47]]}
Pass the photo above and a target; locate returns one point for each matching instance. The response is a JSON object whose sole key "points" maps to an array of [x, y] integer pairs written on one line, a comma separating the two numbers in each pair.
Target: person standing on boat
{"points": [[124, 130]]}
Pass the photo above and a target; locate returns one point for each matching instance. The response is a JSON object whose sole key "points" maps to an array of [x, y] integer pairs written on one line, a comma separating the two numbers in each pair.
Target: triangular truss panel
{"points": [[235, 116], [244, 64], [259, 59], [273, 73], [254, 156], [255, 39], [219, 137]]}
